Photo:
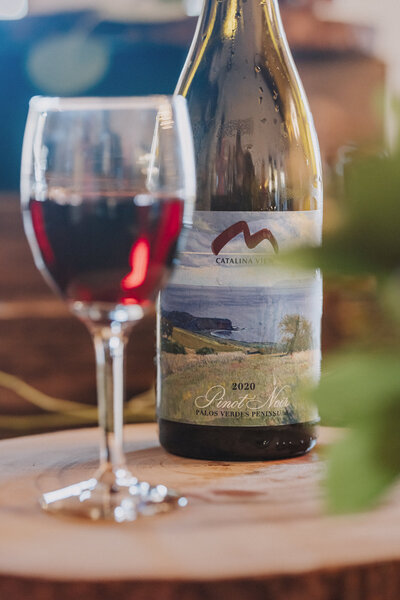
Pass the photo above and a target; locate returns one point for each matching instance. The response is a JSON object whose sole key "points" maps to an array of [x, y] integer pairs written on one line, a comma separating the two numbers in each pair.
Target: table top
{"points": [[244, 521]]}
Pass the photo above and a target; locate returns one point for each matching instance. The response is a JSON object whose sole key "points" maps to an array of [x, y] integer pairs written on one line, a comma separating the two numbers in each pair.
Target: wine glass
{"points": [[107, 185]]}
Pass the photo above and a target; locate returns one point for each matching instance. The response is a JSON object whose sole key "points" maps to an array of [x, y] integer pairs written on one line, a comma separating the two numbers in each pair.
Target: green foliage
{"points": [[205, 350], [361, 389], [367, 240], [362, 392], [172, 347], [351, 385]]}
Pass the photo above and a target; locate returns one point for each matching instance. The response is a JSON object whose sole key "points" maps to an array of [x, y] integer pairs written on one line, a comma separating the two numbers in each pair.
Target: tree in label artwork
{"points": [[167, 328], [204, 351], [167, 343], [296, 333]]}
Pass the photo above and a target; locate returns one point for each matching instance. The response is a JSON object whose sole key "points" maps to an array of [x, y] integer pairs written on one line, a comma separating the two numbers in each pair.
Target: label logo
{"points": [[251, 240]]}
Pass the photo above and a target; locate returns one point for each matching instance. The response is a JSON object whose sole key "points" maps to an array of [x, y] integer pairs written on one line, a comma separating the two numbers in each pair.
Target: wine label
{"points": [[239, 335]]}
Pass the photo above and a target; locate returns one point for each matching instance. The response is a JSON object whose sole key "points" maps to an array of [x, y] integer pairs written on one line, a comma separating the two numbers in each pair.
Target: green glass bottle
{"points": [[237, 334]]}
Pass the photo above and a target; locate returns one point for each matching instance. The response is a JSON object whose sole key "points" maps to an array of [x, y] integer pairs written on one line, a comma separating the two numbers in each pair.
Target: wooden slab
{"points": [[251, 530]]}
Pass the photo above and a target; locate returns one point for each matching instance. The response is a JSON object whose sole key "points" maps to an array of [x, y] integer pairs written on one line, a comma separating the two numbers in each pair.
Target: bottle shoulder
{"points": [[255, 142]]}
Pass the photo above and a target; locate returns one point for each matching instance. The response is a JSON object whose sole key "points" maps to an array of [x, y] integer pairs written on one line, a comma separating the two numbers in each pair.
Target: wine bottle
{"points": [[238, 334]]}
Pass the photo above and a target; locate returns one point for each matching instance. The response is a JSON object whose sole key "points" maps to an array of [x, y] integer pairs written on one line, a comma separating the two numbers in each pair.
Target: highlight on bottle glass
{"points": [[107, 188]]}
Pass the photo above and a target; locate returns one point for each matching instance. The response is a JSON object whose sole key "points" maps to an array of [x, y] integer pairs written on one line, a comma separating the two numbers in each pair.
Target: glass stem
{"points": [[110, 343]]}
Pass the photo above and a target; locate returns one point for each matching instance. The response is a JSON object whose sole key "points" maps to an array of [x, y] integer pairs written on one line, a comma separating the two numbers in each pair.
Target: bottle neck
{"points": [[231, 20]]}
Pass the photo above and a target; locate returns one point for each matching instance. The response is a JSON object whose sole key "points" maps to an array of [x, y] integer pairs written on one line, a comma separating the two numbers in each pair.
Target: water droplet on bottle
{"points": [[275, 95], [261, 90], [275, 121], [257, 69], [203, 37], [276, 108], [264, 120], [260, 99]]}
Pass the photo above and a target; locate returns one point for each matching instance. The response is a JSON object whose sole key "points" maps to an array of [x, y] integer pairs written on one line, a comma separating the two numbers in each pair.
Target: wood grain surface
{"points": [[250, 530]]}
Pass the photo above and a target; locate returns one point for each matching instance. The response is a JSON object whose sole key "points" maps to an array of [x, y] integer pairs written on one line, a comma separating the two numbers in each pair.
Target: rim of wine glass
{"points": [[56, 103]]}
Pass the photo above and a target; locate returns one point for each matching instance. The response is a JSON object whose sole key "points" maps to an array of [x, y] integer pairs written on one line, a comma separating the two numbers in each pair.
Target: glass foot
{"points": [[120, 500]]}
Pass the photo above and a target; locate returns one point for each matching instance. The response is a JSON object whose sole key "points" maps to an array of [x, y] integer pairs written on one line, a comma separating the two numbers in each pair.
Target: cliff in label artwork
{"points": [[185, 320]]}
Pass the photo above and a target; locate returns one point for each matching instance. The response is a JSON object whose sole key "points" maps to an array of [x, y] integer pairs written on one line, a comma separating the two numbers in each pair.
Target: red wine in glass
{"points": [[109, 248]]}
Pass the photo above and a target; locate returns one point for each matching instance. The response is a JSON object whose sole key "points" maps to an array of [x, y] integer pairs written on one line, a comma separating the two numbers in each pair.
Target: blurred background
{"points": [[348, 55]]}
